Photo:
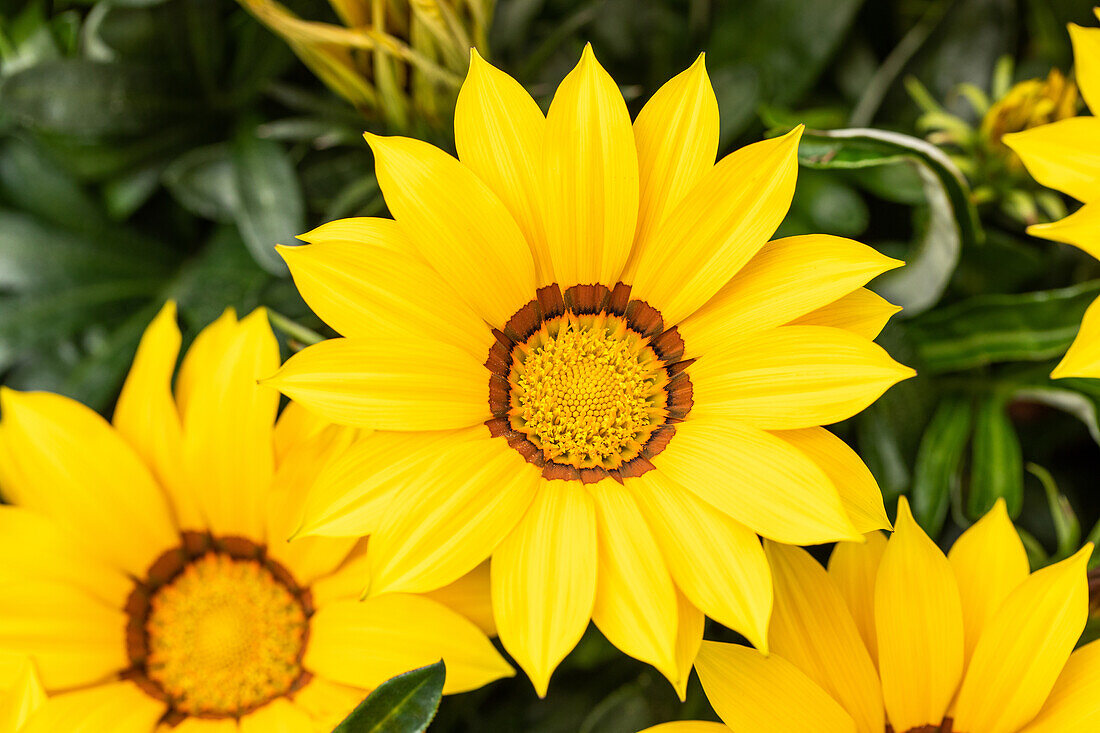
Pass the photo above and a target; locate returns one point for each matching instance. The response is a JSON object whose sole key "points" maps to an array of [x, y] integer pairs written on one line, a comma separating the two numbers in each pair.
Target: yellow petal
{"points": [[688, 726], [544, 580], [1075, 699], [716, 561], [73, 638], [1083, 357], [452, 517], [676, 134], [590, 177], [918, 617], [119, 707], [203, 356], [788, 278], [228, 448], [718, 226], [1063, 155], [470, 596], [397, 383], [459, 226], [689, 637], [328, 702], [1024, 647], [363, 290], [69, 464], [1086, 63], [21, 699], [854, 568], [278, 716], [756, 694], [371, 229], [859, 492], [295, 425], [794, 377], [812, 628], [756, 478], [1078, 229], [499, 136], [989, 562], [861, 311], [201, 725], [635, 599], [365, 643]]}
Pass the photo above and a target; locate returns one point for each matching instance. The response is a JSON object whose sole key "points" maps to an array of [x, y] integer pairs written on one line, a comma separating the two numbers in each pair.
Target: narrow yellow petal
{"points": [[688, 726], [1063, 155], [717, 562], [1078, 229], [787, 279], [756, 694], [720, 224], [918, 617], [1024, 647], [278, 716], [636, 607], [812, 628], [689, 637], [371, 230], [459, 226], [1086, 63], [989, 563], [328, 702], [119, 707], [194, 724], [365, 643], [859, 492], [590, 177], [347, 582], [756, 478], [1075, 699], [861, 311], [854, 568], [295, 425], [1083, 357], [203, 356], [676, 134], [499, 136], [794, 377], [470, 596], [21, 699], [544, 580]]}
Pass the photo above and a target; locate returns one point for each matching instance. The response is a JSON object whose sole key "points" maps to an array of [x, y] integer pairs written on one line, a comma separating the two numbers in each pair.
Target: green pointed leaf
{"points": [[997, 468], [404, 704], [939, 463]]}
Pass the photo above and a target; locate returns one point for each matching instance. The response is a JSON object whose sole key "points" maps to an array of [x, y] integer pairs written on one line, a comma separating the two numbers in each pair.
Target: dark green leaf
{"points": [[623, 711], [997, 469], [1067, 528], [31, 181], [939, 463], [271, 209], [203, 181], [404, 704]]}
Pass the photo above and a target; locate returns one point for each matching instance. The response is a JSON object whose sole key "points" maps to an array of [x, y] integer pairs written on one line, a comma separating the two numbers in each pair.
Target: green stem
{"points": [[293, 329]]}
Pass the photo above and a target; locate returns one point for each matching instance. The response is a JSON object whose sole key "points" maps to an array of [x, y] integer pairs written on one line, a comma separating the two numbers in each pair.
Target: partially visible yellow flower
{"points": [[21, 693], [144, 567], [1065, 156], [895, 636], [1027, 104]]}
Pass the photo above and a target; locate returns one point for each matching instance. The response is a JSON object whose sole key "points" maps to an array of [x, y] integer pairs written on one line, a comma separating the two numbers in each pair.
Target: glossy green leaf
{"points": [[404, 704], [271, 209], [938, 472], [997, 469], [203, 182]]}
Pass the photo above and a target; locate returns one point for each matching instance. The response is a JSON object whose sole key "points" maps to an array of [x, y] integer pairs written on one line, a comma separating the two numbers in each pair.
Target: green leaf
{"points": [[202, 180], [623, 711], [404, 704], [997, 469], [31, 181], [1067, 529], [939, 463], [271, 209]]}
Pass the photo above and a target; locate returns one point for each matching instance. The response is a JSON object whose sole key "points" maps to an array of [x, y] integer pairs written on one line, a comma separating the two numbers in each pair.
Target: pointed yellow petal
{"points": [[119, 707], [499, 136], [295, 425], [590, 177], [756, 478], [676, 134], [1083, 357], [859, 492], [788, 278], [69, 464], [1024, 647], [544, 580], [21, 699], [989, 562], [861, 311], [718, 227], [794, 377], [328, 702], [204, 355], [372, 230], [812, 628], [716, 561], [853, 568], [470, 596], [918, 617], [1086, 63], [689, 637], [635, 598], [688, 726], [278, 716], [364, 643], [202, 725], [1063, 155], [1075, 699], [756, 694], [1078, 229], [347, 582], [459, 226], [397, 383]]}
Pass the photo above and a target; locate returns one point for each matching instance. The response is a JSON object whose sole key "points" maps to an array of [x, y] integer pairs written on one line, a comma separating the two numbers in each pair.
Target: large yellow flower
{"points": [[897, 637], [586, 360], [1065, 155], [145, 569]]}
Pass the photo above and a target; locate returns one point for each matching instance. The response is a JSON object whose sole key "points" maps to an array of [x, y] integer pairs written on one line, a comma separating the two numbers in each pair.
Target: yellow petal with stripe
{"points": [[1075, 699], [1083, 357], [787, 279], [688, 726], [636, 606], [758, 479], [676, 135], [812, 628], [458, 225], [499, 136], [278, 716], [119, 707], [1078, 229], [918, 616], [21, 699], [854, 568], [372, 230], [861, 311], [544, 580], [689, 637], [1086, 63], [756, 694], [365, 643], [794, 377], [590, 177], [716, 561], [720, 224], [1063, 155], [470, 596], [1024, 647]]}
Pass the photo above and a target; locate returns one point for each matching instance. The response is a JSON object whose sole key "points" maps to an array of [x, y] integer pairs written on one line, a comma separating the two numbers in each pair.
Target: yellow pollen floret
{"points": [[224, 636]]}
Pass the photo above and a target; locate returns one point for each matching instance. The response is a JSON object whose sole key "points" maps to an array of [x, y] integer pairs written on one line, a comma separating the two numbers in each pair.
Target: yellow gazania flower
{"points": [[145, 568], [1065, 156], [897, 637], [586, 360], [21, 693]]}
